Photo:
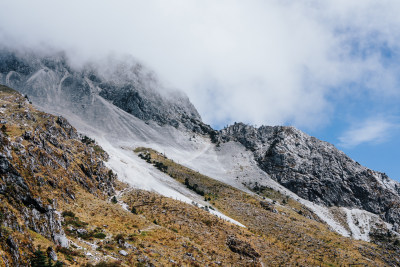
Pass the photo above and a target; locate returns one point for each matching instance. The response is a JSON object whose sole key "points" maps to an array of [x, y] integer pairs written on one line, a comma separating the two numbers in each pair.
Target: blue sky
{"points": [[383, 157], [330, 68], [366, 124], [378, 150]]}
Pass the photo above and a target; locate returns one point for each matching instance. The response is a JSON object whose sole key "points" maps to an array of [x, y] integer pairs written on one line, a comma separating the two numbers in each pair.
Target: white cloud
{"points": [[372, 130], [263, 62]]}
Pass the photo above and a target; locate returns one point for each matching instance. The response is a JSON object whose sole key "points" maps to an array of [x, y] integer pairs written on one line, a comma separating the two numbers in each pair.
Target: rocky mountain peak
{"points": [[318, 171], [49, 153], [125, 83]]}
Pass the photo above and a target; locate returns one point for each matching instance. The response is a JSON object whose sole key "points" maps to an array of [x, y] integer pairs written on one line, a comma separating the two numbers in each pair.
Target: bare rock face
{"points": [[38, 217], [41, 154], [313, 169], [317, 171], [241, 247], [50, 80]]}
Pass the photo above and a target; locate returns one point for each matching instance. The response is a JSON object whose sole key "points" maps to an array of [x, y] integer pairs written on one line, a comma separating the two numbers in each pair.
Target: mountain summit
{"points": [[152, 138], [317, 171]]}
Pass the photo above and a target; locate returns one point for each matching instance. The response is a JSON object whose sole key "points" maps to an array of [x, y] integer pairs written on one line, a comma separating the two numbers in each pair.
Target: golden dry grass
{"points": [[285, 237], [164, 231]]}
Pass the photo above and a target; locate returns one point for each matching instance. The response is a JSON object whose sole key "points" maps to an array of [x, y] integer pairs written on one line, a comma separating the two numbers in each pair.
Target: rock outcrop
{"points": [[313, 169], [42, 159], [241, 247], [50, 80], [317, 171]]}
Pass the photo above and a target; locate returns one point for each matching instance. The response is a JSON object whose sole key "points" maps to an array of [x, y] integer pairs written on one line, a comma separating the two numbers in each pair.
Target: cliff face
{"points": [[46, 167], [312, 169], [317, 171], [42, 160], [50, 80]]}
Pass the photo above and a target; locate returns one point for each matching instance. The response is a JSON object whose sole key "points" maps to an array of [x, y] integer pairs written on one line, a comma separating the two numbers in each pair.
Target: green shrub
{"points": [[76, 222], [98, 149], [99, 235], [39, 259], [134, 210], [68, 214], [87, 140], [104, 264]]}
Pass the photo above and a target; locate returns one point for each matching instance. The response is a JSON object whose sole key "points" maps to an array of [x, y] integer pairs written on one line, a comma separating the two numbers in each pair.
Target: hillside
{"points": [[43, 162], [58, 197], [317, 171], [121, 104], [294, 234], [122, 107]]}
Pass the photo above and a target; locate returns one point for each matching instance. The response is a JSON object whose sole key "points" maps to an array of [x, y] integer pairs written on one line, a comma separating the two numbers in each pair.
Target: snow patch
{"points": [[361, 223], [119, 133], [62, 240], [139, 174]]}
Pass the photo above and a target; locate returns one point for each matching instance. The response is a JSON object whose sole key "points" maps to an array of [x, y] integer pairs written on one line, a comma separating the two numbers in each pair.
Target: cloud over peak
{"points": [[263, 62], [372, 130]]}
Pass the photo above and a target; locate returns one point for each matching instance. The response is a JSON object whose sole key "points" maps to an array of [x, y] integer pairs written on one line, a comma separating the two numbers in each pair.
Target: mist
{"points": [[260, 62]]}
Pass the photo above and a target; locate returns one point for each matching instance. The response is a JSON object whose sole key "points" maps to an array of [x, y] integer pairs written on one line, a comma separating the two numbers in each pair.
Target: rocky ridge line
{"points": [[316, 170], [125, 83]]}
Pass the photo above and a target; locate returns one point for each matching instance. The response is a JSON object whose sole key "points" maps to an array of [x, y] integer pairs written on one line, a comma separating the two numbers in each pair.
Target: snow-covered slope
{"points": [[230, 163], [151, 119]]}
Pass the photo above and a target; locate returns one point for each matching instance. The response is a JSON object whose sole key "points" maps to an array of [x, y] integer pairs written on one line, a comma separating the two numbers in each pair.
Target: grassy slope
{"points": [[285, 237], [70, 188], [162, 231]]}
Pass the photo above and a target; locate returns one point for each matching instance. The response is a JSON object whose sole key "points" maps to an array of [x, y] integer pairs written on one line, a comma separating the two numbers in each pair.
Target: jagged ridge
{"points": [[313, 169], [317, 171], [125, 83]]}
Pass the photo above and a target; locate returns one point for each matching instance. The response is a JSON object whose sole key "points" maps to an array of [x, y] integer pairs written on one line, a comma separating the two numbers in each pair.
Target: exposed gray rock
{"points": [[241, 247], [128, 246], [14, 248], [316, 170], [52, 254], [268, 206], [62, 240], [123, 253], [50, 80], [37, 216], [82, 231]]}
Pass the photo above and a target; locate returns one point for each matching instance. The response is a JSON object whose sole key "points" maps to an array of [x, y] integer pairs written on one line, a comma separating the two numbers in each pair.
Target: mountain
{"points": [[275, 178], [50, 80], [61, 204], [317, 171], [42, 163]]}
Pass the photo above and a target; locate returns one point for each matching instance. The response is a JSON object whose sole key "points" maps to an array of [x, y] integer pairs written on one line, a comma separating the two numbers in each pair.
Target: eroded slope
{"points": [[317, 171]]}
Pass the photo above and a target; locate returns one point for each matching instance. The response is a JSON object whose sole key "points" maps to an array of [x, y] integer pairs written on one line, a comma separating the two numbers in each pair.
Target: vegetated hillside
{"points": [[317, 171], [59, 202], [285, 232], [311, 168], [42, 163]]}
